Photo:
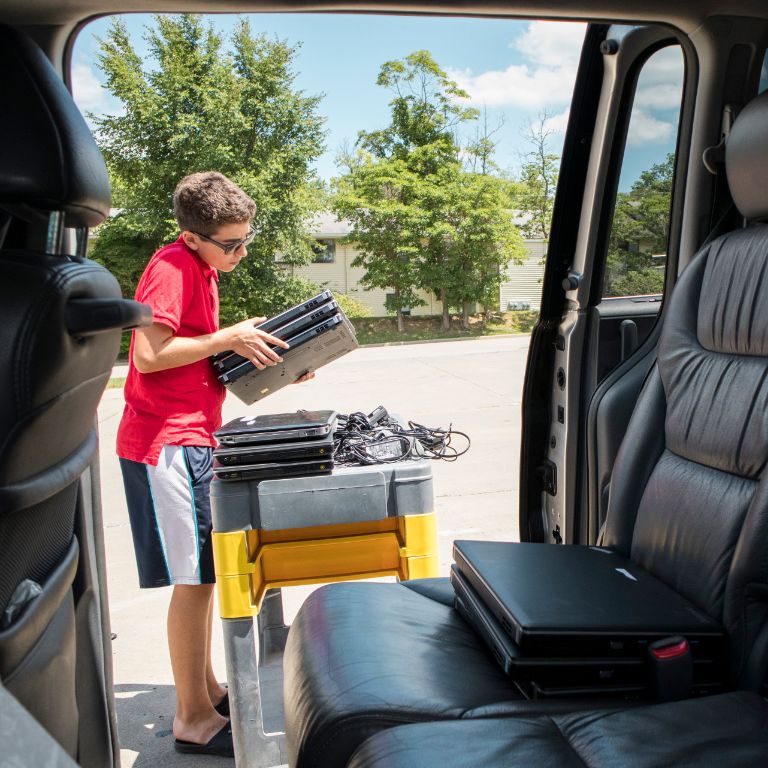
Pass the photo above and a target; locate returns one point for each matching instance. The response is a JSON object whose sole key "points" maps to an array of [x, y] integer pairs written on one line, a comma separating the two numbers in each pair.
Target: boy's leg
{"points": [[188, 615], [169, 508], [216, 691]]}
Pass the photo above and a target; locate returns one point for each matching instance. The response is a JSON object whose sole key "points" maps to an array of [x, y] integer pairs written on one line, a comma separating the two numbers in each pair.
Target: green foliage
{"points": [[203, 103], [420, 221], [351, 307], [379, 199], [424, 112], [639, 231]]}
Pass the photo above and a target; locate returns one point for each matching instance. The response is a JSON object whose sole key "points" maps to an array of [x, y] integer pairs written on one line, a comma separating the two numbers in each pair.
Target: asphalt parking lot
{"points": [[474, 385]]}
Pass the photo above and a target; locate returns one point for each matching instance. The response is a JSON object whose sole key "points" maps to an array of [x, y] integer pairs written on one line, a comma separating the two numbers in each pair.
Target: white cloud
{"points": [[88, 92], [662, 96], [557, 123], [645, 129], [552, 44], [665, 66], [552, 52]]}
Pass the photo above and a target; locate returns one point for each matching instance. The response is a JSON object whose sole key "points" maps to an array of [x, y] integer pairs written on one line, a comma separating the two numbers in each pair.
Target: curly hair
{"points": [[203, 201]]}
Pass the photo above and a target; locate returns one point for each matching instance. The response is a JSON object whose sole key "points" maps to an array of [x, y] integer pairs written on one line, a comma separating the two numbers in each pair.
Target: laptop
{"points": [[270, 470], [319, 448], [540, 677], [309, 350], [271, 325], [277, 427], [580, 600], [284, 329]]}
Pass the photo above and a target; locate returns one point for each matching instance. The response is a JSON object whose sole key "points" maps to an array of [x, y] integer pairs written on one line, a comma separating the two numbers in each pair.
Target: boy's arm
{"points": [[156, 348]]}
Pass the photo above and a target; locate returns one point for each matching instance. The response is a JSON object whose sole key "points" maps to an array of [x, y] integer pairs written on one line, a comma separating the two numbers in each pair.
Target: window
{"points": [[637, 247], [324, 251], [405, 311], [763, 86]]}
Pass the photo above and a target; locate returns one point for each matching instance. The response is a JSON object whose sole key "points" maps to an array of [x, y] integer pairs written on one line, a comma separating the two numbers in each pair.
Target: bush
{"points": [[352, 307]]}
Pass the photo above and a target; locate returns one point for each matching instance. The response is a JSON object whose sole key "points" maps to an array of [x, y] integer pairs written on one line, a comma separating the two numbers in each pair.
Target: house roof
{"points": [[327, 225]]}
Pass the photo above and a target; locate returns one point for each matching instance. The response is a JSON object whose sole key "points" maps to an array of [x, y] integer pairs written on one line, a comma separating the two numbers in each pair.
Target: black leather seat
{"points": [[689, 502], [60, 325], [727, 731]]}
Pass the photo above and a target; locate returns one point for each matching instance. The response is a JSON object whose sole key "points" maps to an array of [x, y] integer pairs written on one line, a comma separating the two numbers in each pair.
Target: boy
{"points": [[165, 439]]}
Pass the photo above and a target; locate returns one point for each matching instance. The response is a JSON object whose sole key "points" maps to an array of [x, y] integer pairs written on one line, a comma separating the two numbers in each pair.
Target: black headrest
{"points": [[48, 158], [746, 159]]}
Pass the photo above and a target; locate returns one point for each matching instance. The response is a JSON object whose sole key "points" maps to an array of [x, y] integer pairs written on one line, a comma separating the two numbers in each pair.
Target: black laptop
{"points": [[271, 325], [542, 677], [580, 600], [276, 428], [273, 470], [310, 349], [285, 325], [317, 448]]}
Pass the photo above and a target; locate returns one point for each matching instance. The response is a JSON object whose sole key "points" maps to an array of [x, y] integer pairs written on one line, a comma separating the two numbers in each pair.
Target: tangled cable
{"points": [[380, 439]]}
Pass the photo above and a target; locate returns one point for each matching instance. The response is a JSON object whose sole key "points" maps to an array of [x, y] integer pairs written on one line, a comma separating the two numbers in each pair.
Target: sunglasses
{"points": [[230, 247]]}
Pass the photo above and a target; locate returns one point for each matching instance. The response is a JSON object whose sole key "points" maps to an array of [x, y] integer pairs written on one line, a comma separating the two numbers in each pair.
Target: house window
{"points": [[324, 251], [406, 311]]}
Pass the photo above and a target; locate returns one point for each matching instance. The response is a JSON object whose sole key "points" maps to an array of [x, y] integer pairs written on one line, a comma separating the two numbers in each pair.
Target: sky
{"points": [[514, 71]]}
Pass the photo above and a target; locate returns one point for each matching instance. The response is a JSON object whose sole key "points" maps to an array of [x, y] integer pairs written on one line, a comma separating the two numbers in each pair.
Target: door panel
{"points": [[589, 334]]}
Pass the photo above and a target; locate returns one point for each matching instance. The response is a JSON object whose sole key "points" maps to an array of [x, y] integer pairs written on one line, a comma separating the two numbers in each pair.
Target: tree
{"points": [[199, 104], [378, 198], [538, 176], [410, 201], [484, 240], [639, 232]]}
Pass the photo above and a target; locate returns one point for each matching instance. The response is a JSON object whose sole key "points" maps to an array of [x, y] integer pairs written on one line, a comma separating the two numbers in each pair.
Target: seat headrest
{"points": [[746, 159], [49, 160]]}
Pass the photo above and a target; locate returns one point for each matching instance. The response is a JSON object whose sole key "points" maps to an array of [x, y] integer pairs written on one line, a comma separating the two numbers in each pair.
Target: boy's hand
{"points": [[305, 377], [245, 339]]}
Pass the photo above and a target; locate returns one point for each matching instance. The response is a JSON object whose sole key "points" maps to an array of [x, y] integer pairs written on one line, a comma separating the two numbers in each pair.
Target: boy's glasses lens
{"points": [[230, 247]]}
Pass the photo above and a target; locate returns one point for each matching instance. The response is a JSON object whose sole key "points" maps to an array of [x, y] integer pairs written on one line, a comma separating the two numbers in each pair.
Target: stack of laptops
{"points": [[582, 621], [275, 445], [317, 331]]}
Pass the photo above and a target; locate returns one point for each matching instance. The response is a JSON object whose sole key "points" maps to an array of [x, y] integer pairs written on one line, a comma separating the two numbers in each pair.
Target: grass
{"points": [[383, 330]]}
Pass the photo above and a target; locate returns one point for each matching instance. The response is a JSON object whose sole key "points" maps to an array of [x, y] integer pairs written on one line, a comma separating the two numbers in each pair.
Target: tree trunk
{"points": [[465, 316], [400, 321], [446, 323]]}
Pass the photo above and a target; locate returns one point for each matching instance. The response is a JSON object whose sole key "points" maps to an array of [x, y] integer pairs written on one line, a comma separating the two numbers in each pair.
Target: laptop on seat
{"points": [[542, 677], [580, 600]]}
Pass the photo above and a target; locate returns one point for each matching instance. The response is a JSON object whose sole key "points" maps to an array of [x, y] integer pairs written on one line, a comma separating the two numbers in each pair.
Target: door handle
{"points": [[628, 330]]}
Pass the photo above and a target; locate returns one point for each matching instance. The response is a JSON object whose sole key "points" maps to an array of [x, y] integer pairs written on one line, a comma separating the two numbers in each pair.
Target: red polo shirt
{"points": [[178, 406]]}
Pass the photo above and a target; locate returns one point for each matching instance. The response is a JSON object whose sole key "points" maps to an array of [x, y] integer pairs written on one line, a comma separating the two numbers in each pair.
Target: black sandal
{"points": [[220, 745], [223, 706]]}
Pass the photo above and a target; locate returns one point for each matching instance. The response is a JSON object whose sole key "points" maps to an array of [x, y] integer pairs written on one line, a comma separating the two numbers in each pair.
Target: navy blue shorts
{"points": [[170, 511]]}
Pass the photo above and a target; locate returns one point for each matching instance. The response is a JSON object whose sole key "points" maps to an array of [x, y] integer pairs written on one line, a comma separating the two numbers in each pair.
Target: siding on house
{"points": [[522, 284], [342, 277]]}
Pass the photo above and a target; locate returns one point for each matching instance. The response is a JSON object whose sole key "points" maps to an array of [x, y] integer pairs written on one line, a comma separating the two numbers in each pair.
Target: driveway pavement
{"points": [[474, 385]]}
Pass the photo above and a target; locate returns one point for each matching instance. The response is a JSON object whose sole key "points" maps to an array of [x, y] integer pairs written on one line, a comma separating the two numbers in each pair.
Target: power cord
{"points": [[378, 438]]}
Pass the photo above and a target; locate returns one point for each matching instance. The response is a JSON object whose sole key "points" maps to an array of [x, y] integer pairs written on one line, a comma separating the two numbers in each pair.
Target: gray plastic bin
{"points": [[348, 495]]}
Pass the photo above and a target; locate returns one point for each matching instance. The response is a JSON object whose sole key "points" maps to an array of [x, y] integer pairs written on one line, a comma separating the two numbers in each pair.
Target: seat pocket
{"points": [[37, 654]]}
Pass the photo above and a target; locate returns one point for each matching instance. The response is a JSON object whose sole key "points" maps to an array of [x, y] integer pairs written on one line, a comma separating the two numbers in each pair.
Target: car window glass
{"points": [[764, 75], [637, 248]]}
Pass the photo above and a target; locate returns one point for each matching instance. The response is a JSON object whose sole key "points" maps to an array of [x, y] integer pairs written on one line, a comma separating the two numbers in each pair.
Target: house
{"points": [[332, 268]]}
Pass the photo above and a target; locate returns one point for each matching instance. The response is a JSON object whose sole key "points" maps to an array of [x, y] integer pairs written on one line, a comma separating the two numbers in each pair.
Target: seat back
{"points": [[689, 496], [56, 356]]}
